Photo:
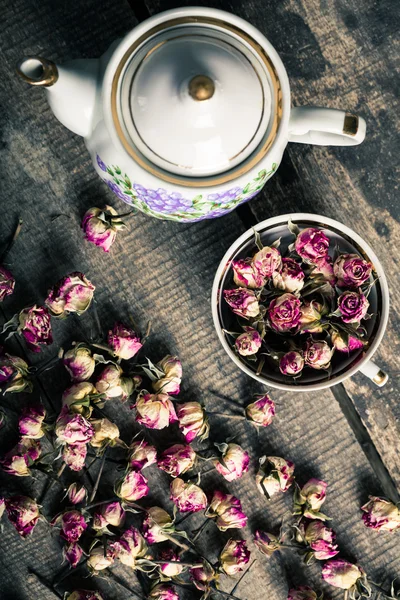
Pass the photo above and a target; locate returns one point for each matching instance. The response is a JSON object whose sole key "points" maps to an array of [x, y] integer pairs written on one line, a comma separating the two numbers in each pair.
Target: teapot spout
{"points": [[70, 89]]}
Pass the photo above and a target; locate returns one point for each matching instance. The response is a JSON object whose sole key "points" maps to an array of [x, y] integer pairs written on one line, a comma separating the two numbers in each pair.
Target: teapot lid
{"points": [[196, 100]]}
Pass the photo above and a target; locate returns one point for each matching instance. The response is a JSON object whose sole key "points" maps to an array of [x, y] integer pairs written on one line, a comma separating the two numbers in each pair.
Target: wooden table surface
{"points": [[339, 54]]}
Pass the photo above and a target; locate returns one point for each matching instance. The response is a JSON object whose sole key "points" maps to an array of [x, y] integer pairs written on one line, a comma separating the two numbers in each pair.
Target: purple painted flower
{"points": [[381, 514], [311, 244], [261, 411], [267, 261], [124, 341], [30, 422], [72, 554], [7, 283], [234, 557], [79, 362], [23, 512], [234, 462], [284, 312], [102, 166], [132, 487], [345, 343], [291, 363], [351, 270], [318, 354], [177, 459], [118, 192], [249, 342], [72, 294], [187, 497], [352, 307], [242, 302], [74, 456], [290, 278], [227, 511], [161, 201], [245, 275], [193, 421], [35, 327], [266, 542], [73, 428]]}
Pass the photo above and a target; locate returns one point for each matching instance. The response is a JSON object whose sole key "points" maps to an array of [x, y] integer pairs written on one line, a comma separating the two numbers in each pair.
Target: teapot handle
{"points": [[325, 127]]}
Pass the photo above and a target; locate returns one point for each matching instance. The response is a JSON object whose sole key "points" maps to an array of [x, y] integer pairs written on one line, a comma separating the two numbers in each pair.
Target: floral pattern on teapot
{"points": [[174, 206]]}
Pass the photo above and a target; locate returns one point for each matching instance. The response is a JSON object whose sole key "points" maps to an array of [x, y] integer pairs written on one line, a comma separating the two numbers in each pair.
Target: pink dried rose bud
{"points": [[155, 524], [261, 411], [227, 510], [35, 327], [23, 513], [193, 421], [109, 514], [171, 366], [72, 553], [79, 363], [78, 396], [291, 363], [203, 576], [142, 455], [242, 302], [234, 557], [72, 294], [18, 460], [274, 475], [76, 493], [234, 461], [74, 456], [351, 270], [7, 283], [187, 497], [290, 278], [309, 499], [267, 261], [311, 244], [163, 591], [30, 423], [124, 341], [73, 524], [318, 354], [249, 342], [352, 307], [345, 343], [304, 592], [101, 226], [177, 459], [155, 411], [284, 313], [14, 374], [323, 269], [130, 547], [267, 543], [73, 428], [109, 382], [319, 538], [381, 514], [341, 574], [310, 317], [167, 569], [245, 275], [84, 595], [106, 433], [99, 559], [132, 487]]}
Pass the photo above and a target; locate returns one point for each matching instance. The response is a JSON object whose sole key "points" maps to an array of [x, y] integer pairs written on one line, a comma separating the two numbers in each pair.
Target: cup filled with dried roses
{"points": [[301, 302]]}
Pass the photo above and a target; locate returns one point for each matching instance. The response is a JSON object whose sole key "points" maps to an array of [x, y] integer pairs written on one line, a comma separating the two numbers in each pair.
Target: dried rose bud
{"points": [[130, 546], [73, 524], [78, 396], [100, 226], [234, 462], [108, 382], [14, 374], [72, 294], [261, 411], [311, 244], [193, 421], [73, 428], [352, 307], [155, 411], [266, 542], [291, 363], [155, 524], [202, 577], [2, 507], [291, 278], [109, 514], [7, 283], [23, 513], [234, 557], [267, 261], [31, 421], [345, 343], [319, 538], [318, 355], [142, 455], [227, 510], [323, 269], [72, 553], [123, 341], [177, 459], [163, 591], [105, 433], [302, 593], [99, 559], [245, 275], [74, 456], [249, 342], [84, 595], [170, 383], [310, 317], [381, 514], [309, 499], [18, 460], [187, 497], [275, 475], [284, 312], [35, 327], [242, 302], [351, 270], [167, 569], [341, 574], [132, 487], [76, 493], [79, 363]]}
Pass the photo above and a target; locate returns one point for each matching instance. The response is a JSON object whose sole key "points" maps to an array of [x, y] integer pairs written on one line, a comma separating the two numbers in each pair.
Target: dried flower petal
{"points": [[72, 294]]}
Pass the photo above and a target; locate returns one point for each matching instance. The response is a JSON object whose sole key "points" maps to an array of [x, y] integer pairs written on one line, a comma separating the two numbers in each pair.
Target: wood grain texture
{"points": [[161, 271]]}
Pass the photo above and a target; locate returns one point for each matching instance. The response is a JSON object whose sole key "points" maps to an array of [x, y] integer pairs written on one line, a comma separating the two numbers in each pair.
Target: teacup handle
{"points": [[325, 127], [375, 373]]}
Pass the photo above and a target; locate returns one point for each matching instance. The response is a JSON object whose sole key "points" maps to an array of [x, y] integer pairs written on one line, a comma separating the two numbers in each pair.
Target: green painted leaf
{"points": [[110, 171]]}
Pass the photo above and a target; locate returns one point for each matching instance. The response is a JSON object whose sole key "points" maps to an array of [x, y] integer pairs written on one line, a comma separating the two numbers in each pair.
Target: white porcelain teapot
{"points": [[188, 115]]}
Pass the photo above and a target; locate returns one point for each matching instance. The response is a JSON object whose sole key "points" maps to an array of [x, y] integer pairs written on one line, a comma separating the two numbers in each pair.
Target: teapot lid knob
{"points": [[201, 88]]}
